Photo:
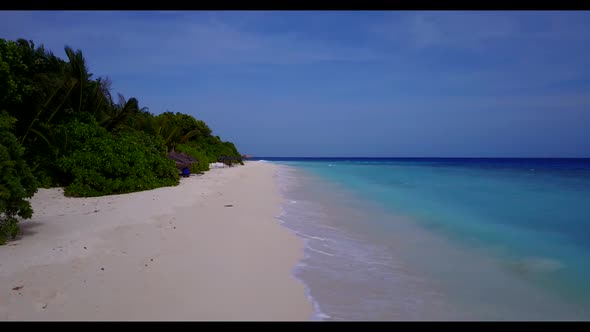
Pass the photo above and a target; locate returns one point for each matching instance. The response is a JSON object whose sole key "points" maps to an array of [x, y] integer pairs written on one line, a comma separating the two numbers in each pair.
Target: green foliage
{"points": [[178, 128], [213, 148], [17, 183], [53, 99], [102, 164], [11, 69], [120, 116], [193, 151]]}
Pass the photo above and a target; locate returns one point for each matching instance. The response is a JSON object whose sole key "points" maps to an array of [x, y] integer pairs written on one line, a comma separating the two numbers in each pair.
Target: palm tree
{"points": [[101, 98], [121, 112], [79, 72]]}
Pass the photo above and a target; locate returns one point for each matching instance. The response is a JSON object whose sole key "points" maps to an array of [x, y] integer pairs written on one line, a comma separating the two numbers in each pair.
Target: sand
{"points": [[174, 253]]}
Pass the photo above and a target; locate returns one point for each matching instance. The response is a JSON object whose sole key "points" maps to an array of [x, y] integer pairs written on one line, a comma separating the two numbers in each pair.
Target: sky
{"points": [[346, 83]]}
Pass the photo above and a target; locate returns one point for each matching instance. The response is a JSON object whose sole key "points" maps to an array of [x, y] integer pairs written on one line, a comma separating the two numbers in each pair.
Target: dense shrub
{"points": [[102, 164], [195, 152], [213, 147], [16, 181]]}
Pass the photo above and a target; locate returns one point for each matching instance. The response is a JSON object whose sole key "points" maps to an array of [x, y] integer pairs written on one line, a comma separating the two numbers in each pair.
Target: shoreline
{"points": [[413, 272], [172, 253], [283, 187]]}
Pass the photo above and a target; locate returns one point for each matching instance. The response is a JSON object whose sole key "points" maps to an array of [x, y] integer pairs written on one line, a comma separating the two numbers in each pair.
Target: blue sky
{"points": [[344, 83]]}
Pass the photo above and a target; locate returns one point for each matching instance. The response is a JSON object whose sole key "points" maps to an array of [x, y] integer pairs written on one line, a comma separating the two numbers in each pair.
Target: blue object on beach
{"points": [[186, 172]]}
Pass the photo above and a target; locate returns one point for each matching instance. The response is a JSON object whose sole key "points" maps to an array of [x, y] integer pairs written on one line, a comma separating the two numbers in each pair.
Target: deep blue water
{"points": [[531, 214]]}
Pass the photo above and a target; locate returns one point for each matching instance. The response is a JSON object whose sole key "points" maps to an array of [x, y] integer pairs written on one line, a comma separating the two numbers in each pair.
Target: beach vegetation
{"points": [[17, 182], [70, 131], [101, 163]]}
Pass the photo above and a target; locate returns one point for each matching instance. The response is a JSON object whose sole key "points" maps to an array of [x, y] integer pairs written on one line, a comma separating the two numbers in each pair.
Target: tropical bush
{"points": [[193, 151], [103, 164], [17, 183]]}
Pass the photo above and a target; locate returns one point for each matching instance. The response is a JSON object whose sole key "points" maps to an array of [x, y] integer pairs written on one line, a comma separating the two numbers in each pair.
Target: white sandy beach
{"points": [[174, 253]]}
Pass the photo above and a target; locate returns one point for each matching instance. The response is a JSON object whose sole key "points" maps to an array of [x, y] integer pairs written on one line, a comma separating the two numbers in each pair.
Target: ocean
{"points": [[441, 238]]}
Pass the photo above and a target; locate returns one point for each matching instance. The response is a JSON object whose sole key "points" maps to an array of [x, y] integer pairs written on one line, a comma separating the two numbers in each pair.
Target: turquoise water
{"points": [[523, 221]]}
